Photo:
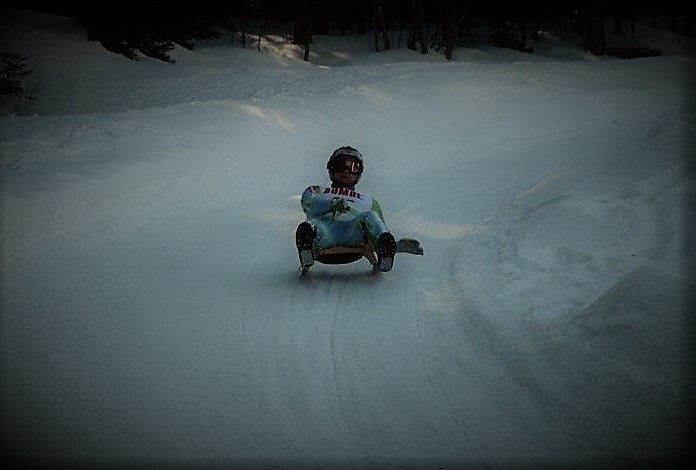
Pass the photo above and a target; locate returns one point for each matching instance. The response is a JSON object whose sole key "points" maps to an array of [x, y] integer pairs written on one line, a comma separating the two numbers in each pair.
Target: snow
{"points": [[151, 306]]}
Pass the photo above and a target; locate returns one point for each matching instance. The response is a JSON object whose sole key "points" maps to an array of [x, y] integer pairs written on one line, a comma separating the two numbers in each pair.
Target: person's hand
{"points": [[339, 205]]}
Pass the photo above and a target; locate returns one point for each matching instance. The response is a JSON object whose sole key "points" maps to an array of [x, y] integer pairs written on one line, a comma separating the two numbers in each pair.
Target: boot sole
{"points": [[304, 240], [386, 249]]}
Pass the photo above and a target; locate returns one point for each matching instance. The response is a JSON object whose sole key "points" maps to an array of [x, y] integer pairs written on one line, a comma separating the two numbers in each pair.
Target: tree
{"points": [[617, 9], [415, 34], [13, 84], [380, 25], [302, 31], [689, 23], [448, 28], [13, 71], [151, 32], [594, 34]]}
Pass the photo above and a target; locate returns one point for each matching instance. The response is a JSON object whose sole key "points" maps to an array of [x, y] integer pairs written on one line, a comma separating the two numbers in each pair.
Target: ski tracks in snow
{"points": [[392, 389], [335, 350], [455, 415]]}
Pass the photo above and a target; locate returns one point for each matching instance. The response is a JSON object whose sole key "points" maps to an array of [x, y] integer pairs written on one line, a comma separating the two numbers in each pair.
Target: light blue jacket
{"points": [[343, 216]]}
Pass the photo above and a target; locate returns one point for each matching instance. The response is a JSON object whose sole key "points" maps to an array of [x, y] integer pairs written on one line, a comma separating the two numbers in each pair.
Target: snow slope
{"points": [[151, 308]]}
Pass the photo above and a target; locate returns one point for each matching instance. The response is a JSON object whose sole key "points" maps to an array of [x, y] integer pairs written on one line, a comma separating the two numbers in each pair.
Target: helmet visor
{"points": [[349, 165]]}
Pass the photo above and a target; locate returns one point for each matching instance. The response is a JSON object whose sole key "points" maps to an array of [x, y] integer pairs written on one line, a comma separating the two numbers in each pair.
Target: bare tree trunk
{"points": [[674, 21], [302, 31], [416, 35], [689, 23], [448, 28], [618, 11], [385, 31], [524, 34], [380, 25], [436, 33], [401, 30], [243, 27], [375, 34], [411, 41], [594, 36], [306, 51], [260, 34]]}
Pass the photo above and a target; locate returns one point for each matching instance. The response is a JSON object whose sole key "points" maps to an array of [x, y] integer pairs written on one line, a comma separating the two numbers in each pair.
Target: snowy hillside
{"points": [[150, 301]]}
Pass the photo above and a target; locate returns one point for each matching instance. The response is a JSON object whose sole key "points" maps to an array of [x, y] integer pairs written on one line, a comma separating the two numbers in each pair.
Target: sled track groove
{"points": [[486, 459], [336, 367]]}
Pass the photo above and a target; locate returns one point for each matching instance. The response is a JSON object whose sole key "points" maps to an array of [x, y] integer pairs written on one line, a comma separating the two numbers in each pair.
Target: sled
{"points": [[350, 254]]}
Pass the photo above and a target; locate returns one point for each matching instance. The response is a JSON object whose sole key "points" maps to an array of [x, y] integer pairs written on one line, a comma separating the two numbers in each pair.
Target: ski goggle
{"points": [[347, 165]]}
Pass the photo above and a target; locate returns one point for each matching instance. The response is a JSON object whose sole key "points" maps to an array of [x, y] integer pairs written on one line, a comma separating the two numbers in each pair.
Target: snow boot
{"points": [[304, 240], [386, 249]]}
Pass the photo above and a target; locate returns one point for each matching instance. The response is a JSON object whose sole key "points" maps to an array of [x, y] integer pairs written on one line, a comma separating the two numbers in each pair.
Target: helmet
{"points": [[342, 153]]}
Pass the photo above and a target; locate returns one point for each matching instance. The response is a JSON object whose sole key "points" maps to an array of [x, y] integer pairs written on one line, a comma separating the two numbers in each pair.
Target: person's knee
{"points": [[374, 222], [324, 237]]}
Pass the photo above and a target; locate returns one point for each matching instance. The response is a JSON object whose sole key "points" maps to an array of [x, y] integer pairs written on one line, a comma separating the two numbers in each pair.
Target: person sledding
{"points": [[344, 224]]}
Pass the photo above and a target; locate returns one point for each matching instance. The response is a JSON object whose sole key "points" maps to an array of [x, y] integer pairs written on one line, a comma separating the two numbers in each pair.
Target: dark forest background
{"points": [[152, 29]]}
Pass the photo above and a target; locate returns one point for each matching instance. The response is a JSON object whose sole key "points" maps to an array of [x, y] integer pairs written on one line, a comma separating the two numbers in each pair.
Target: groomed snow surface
{"points": [[152, 312]]}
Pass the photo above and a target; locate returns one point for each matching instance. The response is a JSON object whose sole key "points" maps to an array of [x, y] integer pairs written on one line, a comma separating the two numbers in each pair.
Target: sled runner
{"points": [[351, 254]]}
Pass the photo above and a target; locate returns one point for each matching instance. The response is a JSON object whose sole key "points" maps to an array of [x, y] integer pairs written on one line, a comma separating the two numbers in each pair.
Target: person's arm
{"points": [[376, 208], [313, 204]]}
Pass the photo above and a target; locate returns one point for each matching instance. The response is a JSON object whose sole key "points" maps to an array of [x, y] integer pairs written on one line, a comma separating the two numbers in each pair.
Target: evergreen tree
{"points": [[13, 71]]}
